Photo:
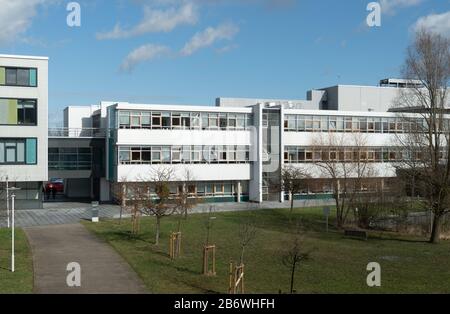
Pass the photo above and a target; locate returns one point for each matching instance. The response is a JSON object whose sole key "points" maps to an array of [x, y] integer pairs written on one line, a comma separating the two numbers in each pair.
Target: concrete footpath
{"points": [[102, 269]]}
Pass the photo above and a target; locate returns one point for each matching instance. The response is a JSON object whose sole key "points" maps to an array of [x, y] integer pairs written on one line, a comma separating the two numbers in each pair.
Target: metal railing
{"points": [[77, 132]]}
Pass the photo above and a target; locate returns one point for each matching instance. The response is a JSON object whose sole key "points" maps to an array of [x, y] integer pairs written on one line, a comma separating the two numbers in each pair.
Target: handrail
{"points": [[77, 132]]}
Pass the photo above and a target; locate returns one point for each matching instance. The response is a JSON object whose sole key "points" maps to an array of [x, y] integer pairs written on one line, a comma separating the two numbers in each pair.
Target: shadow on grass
{"points": [[170, 264], [394, 239]]}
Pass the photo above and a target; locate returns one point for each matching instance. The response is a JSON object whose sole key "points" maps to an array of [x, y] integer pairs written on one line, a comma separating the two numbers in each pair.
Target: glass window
{"points": [[20, 152], [176, 154], [166, 120], [223, 121], [205, 121], [135, 121], [146, 120], [185, 121], [213, 121], [26, 112], [166, 154], [146, 155], [156, 154], [218, 188], [11, 77], [156, 120], [228, 189], [240, 121], [176, 120], [195, 120], [124, 118], [186, 156], [23, 77]]}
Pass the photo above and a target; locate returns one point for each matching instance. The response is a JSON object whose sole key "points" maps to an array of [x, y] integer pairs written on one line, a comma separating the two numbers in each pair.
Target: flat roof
{"points": [[23, 57]]}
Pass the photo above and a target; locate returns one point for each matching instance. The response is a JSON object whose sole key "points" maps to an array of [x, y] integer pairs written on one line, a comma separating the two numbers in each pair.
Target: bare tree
{"points": [[426, 144], [293, 181], [156, 199], [294, 255], [247, 233], [344, 160], [186, 199]]}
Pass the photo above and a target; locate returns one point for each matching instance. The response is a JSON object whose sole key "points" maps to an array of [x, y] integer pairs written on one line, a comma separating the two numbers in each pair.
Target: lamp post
{"points": [[13, 262], [7, 200], [13, 198]]}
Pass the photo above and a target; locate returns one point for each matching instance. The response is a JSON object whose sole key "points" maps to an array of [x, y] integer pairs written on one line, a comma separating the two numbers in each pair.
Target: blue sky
{"points": [[192, 51]]}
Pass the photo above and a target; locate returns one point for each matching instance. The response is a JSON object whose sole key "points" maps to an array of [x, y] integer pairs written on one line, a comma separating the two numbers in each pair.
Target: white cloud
{"points": [[141, 54], [209, 36], [391, 6], [16, 17], [156, 20], [438, 23]]}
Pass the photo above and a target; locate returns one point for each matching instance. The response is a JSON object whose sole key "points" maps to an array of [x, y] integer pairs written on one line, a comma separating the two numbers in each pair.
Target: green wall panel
{"points": [[2, 76], [12, 111]]}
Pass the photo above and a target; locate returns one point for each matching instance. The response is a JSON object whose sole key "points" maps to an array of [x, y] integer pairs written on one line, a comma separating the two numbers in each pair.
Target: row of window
{"points": [[295, 154], [11, 76], [18, 111], [183, 154], [18, 151], [204, 189], [302, 123], [183, 120], [74, 158]]}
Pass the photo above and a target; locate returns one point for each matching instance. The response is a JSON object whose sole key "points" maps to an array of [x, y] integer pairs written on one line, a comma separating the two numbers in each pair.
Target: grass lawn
{"points": [[337, 264], [21, 281]]}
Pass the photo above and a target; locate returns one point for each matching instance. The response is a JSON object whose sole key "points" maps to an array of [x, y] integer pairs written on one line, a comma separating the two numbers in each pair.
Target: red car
{"points": [[57, 184]]}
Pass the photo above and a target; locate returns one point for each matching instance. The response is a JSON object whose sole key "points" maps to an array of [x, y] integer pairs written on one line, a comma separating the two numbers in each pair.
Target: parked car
{"points": [[56, 184]]}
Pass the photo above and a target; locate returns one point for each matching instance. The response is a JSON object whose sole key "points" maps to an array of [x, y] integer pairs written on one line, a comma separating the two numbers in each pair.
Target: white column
{"points": [[238, 191]]}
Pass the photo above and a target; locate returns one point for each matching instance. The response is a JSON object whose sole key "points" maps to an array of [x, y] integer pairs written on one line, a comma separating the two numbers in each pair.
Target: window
{"points": [[156, 154], [213, 121], [156, 120], [11, 77], [124, 119], [185, 121], [223, 121], [176, 120], [18, 77], [146, 120], [166, 120], [196, 120], [240, 121], [26, 112], [18, 112], [18, 151], [176, 154], [23, 77]]}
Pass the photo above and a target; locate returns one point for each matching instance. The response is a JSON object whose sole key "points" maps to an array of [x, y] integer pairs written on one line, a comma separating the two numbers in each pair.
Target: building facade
{"points": [[24, 126], [236, 150]]}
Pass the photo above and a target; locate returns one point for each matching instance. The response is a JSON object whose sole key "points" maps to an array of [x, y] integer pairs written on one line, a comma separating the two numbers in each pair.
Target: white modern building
{"points": [[24, 126], [235, 151]]}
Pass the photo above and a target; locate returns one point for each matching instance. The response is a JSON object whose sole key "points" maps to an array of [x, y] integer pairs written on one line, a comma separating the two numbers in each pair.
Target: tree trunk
{"points": [[292, 202], [436, 230], [293, 276], [158, 225]]}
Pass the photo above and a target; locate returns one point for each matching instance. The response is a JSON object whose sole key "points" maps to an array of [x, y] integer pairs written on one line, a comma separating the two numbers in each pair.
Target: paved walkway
{"points": [[102, 269], [72, 212]]}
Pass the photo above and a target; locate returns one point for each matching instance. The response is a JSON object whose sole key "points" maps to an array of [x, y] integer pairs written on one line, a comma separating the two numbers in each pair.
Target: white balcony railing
{"points": [[76, 133]]}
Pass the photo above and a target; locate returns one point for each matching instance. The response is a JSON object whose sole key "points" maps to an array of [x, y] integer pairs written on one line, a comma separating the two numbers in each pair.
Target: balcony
{"points": [[76, 133]]}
